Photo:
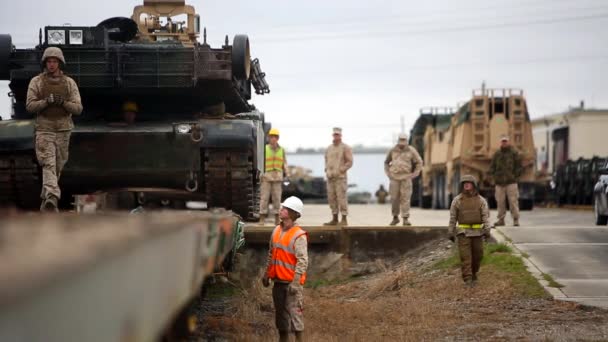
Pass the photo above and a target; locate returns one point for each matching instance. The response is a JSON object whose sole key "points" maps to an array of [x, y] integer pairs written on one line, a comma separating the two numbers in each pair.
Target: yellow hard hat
{"points": [[130, 106], [274, 131]]}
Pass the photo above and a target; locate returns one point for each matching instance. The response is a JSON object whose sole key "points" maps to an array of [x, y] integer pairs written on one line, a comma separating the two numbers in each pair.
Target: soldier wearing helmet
{"points": [[286, 267], [275, 166], [53, 97], [469, 222]]}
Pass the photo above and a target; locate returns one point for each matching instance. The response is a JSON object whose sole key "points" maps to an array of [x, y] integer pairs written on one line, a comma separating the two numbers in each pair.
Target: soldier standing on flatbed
{"points": [[469, 222], [402, 164], [506, 168], [54, 98], [338, 160], [275, 166]]}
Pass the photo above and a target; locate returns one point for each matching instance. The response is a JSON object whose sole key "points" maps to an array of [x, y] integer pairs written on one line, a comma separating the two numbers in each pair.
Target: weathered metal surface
{"points": [[106, 277]]}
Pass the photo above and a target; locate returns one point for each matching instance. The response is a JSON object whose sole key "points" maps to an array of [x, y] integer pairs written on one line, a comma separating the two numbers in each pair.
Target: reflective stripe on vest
{"points": [[470, 226], [274, 159], [283, 264]]}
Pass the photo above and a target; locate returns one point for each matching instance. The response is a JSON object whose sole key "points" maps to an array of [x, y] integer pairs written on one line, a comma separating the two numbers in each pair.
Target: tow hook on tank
{"points": [[192, 182], [196, 133]]}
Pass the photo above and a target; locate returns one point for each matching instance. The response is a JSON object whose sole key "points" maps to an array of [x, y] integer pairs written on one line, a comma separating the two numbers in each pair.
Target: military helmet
{"points": [[53, 52], [468, 178]]}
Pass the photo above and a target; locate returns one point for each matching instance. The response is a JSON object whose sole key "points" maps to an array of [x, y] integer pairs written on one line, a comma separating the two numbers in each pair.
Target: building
{"points": [[576, 133]]}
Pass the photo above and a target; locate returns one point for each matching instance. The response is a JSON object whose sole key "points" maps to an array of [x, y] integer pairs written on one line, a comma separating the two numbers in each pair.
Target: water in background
{"points": [[367, 171]]}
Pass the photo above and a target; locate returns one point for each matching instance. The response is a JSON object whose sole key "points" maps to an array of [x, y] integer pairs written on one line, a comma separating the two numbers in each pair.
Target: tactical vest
{"points": [[470, 210], [275, 159], [54, 117]]}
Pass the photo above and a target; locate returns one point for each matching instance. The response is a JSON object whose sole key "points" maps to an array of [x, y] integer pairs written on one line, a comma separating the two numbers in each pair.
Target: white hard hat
{"points": [[294, 204]]}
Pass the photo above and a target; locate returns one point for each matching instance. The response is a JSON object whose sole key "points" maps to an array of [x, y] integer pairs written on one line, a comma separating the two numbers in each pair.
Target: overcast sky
{"points": [[363, 65]]}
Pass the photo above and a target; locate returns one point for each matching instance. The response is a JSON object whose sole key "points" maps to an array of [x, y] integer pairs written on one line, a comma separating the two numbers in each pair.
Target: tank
{"points": [[464, 142], [195, 135]]}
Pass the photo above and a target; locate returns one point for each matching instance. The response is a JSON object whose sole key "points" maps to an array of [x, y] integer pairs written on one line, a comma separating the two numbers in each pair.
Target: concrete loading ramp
{"points": [[361, 243]]}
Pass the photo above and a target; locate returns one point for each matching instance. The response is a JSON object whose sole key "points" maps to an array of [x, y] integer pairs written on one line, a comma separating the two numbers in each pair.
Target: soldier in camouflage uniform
{"points": [[54, 98], [506, 168], [338, 160], [469, 222], [402, 164], [275, 165]]}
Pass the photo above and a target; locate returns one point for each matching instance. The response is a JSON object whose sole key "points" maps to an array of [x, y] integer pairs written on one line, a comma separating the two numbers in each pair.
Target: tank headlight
{"points": [[56, 37], [183, 129]]}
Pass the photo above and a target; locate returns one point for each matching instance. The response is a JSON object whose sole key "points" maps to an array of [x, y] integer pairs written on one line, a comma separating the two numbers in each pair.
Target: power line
{"points": [[383, 34]]}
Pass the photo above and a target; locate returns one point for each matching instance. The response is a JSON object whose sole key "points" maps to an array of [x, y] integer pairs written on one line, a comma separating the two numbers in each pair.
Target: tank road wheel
{"points": [[6, 46], [241, 57], [600, 220], [230, 182]]}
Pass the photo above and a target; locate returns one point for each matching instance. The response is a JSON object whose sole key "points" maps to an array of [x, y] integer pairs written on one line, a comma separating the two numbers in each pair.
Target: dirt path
{"points": [[413, 299]]}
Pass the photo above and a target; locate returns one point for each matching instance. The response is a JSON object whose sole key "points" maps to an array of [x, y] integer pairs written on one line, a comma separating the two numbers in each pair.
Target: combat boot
{"points": [[516, 222], [50, 204], [406, 222], [344, 222], [499, 223], [262, 218], [276, 219], [394, 221], [333, 222]]}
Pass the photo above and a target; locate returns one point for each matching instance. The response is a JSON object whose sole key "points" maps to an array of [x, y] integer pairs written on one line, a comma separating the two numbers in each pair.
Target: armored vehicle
{"points": [[464, 143], [194, 136]]}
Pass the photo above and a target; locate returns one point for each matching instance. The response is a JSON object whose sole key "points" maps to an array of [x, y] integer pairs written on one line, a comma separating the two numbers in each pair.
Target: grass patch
{"points": [[499, 257], [317, 283], [551, 281], [220, 290], [525, 255]]}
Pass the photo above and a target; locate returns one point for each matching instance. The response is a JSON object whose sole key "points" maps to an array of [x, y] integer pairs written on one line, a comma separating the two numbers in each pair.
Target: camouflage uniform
{"points": [[271, 187], [506, 168], [338, 160], [53, 122], [289, 307], [469, 209], [401, 165]]}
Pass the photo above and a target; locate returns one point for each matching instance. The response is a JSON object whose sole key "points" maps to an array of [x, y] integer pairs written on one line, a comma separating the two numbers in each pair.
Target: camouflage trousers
{"points": [[289, 315], [336, 195], [401, 194], [52, 154], [511, 192], [270, 190], [470, 249]]}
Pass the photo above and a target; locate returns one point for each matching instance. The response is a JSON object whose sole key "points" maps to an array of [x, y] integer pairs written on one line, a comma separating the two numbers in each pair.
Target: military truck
{"points": [[465, 141], [195, 135]]}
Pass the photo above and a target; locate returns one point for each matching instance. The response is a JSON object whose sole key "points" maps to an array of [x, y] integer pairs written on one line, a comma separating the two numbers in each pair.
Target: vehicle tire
{"points": [[6, 46], [241, 57], [526, 204], [600, 220], [426, 202]]}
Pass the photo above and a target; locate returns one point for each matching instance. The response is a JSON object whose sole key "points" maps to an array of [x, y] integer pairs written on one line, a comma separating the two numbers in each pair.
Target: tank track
{"points": [[20, 181], [230, 182]]}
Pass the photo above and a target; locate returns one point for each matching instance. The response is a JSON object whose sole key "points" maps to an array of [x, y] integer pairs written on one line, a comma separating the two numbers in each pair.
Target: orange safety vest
{"points": [[274, 159], [283, 264]]}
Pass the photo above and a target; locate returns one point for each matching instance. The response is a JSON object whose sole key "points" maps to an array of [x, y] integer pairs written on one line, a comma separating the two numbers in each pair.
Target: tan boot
{"points": [[262, 218], [394, 221], [344, 221], [276, 220], [406, 222], [333, 222], [499, 223], [50, 204], [516, 222]]}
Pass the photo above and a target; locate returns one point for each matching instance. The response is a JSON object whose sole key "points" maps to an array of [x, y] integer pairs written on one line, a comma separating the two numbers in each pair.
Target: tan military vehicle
{"points": [[464, 143]]}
